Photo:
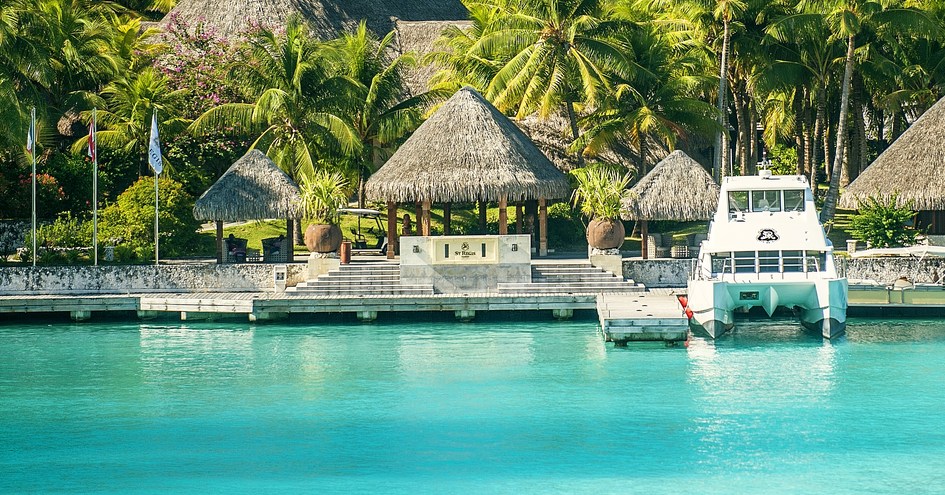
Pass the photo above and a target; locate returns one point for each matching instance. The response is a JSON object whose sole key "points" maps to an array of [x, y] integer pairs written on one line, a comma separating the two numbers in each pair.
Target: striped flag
{"points": [[31, 134], [93, 141], [154, 148]]}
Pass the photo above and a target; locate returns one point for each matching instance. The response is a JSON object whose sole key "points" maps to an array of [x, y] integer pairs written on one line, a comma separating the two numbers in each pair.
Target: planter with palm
{"points": [[323, 194], [598, 195]]}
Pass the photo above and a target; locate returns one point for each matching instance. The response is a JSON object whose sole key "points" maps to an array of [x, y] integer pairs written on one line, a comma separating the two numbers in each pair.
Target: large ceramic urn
{"points": [[605, 233], [323, 238]]}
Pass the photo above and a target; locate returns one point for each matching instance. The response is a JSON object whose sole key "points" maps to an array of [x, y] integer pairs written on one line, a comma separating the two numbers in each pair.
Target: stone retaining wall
{"points": [[675, 272], [203, 277]]}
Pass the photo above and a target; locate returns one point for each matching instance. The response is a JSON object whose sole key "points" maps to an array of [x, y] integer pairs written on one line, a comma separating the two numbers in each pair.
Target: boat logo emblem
{"points": [[767, 235]]}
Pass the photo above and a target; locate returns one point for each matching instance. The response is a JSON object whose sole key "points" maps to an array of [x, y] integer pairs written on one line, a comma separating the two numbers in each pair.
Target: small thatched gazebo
{"points": [[467, 151], [911, 170], [253, 188], [677, 188]]}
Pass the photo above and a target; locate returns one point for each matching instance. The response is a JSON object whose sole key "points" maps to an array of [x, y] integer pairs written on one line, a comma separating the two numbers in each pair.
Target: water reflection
{"points": [[745, 383]]}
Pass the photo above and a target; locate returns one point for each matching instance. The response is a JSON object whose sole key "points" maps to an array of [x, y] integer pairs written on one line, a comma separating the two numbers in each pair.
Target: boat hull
{"points": [[821, 305]]}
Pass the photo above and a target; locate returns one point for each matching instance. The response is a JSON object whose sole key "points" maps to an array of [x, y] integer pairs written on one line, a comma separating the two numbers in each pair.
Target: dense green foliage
{"points": [[129, 221], [823, 86], [883, 225]]}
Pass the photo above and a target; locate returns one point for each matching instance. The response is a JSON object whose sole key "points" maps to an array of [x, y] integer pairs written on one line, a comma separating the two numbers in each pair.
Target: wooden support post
{"points": [[290, 233], [391, 228], [643, 232], [482, 217], [418, 218], [503, 215], [447, 218], [426, 217], [220, 248], [519, 213], [542, 227]]}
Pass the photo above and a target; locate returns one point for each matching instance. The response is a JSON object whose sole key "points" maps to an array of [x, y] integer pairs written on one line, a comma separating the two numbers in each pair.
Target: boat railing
{"points": [[773, 264]]}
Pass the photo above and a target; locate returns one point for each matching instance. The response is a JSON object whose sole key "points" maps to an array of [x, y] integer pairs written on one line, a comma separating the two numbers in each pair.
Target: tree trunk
{"points": [[798, 107], [721, 143], [817, 138], [830, 201], [742, 142], [755, 145]]}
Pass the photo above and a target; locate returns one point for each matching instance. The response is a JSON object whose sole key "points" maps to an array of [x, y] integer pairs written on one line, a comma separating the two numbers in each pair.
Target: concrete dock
{"points": [[641, 317]]}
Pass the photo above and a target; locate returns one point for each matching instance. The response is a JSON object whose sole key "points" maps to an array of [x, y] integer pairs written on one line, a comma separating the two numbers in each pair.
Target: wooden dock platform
{"points": [[641, 317]]}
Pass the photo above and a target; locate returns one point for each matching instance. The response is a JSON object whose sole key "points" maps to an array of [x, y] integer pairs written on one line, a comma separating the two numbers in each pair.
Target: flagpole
{"points": [[156, 196], [32, 144], [93, 147], [154, 158]]}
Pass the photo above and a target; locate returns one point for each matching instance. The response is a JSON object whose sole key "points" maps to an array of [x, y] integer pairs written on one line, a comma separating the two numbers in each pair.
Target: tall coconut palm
{"points": [[848, 19], [379, 112], [659, 102], [125, 109], [459, 55], [295, 114], [560, 53]]}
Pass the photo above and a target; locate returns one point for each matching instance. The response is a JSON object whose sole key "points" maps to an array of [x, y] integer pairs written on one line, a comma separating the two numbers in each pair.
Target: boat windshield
{"points": [[769, 200], [737, 201], [794, 200]]}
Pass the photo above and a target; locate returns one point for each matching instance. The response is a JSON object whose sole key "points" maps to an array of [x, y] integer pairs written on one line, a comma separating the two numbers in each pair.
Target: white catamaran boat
{"points": [[766, 247]]}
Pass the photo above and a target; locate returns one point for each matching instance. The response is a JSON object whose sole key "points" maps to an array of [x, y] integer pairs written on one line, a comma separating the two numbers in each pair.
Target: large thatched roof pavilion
{"points": [[912, 170], [677, 188], [468, 151], [253, 188], [328, 18]]}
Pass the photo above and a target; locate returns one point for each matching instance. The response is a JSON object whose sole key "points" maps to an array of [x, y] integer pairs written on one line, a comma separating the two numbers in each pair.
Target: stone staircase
{"points": [[581, 277], [361, 280]]}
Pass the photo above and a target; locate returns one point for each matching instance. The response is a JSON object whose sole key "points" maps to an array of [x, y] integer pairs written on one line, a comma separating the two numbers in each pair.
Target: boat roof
{"points": [[755, 182]]}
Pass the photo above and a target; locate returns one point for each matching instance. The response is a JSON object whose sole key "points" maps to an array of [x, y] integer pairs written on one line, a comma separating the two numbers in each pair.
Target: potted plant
{"points": [[323, 194], [598, 195]]}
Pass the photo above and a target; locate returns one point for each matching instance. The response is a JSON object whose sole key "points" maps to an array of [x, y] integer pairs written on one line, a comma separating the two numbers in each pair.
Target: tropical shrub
{"points": [[323, 194], [129, 221], [883, 224], [598, 191]]}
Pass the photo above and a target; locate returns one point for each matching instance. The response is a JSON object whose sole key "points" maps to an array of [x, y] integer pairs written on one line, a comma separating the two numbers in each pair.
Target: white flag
{"points": [[154, 148], [31, 134]]}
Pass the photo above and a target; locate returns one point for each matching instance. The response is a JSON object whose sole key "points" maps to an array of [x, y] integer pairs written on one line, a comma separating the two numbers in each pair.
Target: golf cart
{"points": [[373, 226]]}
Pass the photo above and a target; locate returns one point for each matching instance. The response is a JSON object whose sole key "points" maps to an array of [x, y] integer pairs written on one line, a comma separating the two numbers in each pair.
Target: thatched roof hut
{"points": [[253, 188], [328, 18], [677, 188], [911, 169], [467, 151]]}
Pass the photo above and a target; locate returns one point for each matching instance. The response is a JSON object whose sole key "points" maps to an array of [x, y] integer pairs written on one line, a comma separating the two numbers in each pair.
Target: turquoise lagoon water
{"points": [[494, 407]]}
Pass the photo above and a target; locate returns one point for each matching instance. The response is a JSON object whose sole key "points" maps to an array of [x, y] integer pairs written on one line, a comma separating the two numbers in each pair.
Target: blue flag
{"points": [[154, 147]]}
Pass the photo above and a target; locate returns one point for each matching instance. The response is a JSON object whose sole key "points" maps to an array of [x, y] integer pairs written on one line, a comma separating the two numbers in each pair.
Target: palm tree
{"points": [[297, 101], [379, 114], [847, 21], [126, 106], [560, 53], [657, 103], [460, 55]]}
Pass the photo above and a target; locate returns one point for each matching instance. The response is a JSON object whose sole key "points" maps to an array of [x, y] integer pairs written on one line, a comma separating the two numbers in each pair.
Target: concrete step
{"points": [[576, 277], [360, 278], [360, 290]]}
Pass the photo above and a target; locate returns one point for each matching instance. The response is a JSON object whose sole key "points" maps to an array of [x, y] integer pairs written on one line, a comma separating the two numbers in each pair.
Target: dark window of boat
{"points": [[768, 200], [721, 262], [768, 262], [744, 262], [737, 202], [794, 200], [793, 261]]}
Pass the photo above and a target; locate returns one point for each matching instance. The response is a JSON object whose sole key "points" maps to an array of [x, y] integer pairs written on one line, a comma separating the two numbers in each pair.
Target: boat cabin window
{"points": [[737, 202], [794, 200], [766, 201]]}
